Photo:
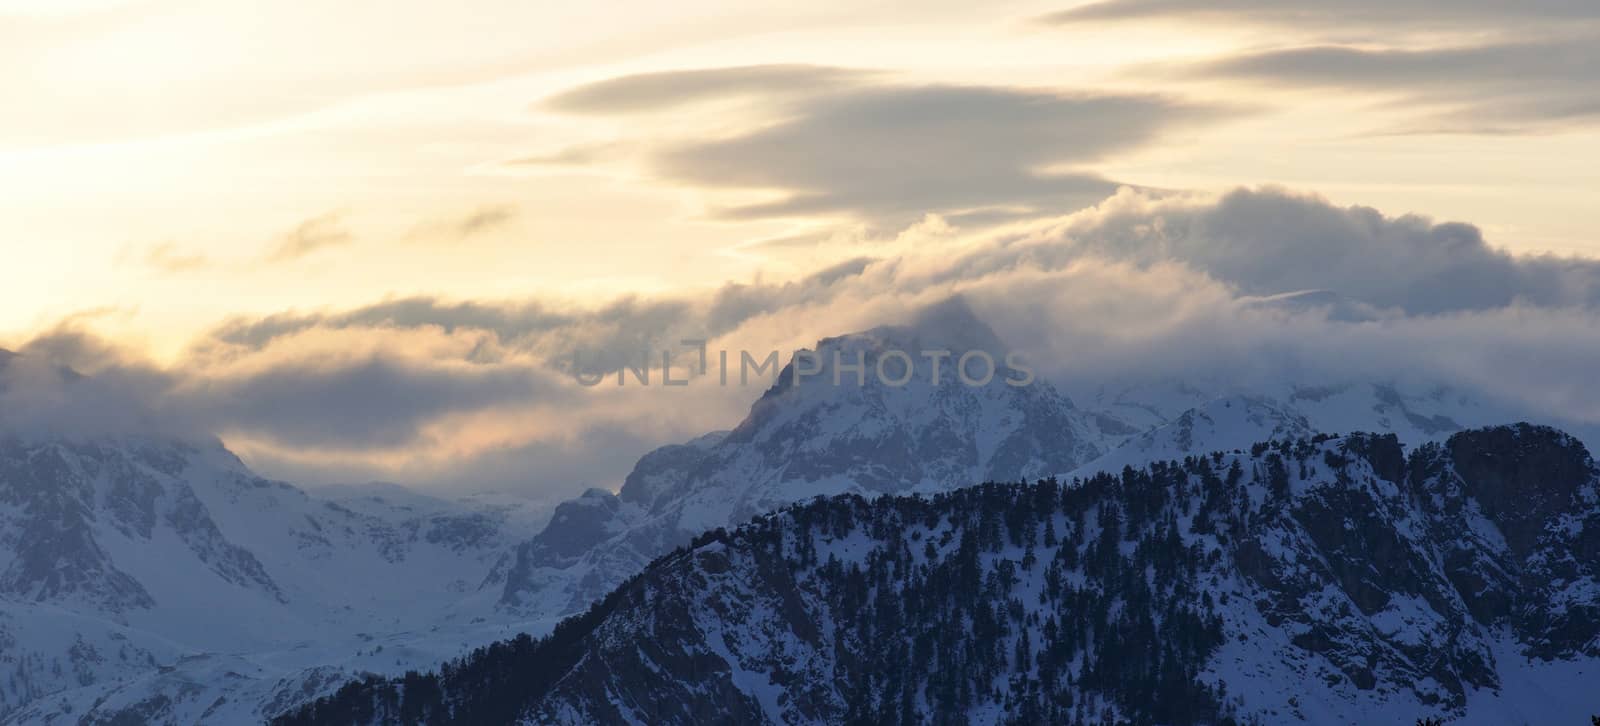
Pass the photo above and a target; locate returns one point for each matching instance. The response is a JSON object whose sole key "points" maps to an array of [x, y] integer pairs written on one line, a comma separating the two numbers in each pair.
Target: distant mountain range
{"points": [[158, 580]]}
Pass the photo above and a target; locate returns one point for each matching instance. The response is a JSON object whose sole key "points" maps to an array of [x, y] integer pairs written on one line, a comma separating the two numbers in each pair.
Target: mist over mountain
{"points": [[156, 579], [152, 576], [819, 431], [1228, 293]]}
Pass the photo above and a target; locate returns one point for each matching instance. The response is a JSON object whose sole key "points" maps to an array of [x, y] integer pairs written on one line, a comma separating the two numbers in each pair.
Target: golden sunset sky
{"points": [[165, 163]]}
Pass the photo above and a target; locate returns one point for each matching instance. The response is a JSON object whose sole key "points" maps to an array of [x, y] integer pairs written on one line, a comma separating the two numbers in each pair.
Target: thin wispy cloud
{"points": [[1323, 16], [479, 221], [1541, 84], [650, 92], [312, 235], [167, 257]]}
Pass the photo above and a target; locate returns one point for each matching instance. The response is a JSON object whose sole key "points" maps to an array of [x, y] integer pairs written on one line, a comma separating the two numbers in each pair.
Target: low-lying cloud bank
{"points": [[1140, 288]]}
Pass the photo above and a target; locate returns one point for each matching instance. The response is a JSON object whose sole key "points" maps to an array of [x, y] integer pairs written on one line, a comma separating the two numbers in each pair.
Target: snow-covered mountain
{"points": [[824, 433], [1330, 580], [807, 437], [1268, 411], [159, 580]]}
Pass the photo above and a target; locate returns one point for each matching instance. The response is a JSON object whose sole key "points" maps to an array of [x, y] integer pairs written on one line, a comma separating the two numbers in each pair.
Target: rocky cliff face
{"points": [[1323, 580]]}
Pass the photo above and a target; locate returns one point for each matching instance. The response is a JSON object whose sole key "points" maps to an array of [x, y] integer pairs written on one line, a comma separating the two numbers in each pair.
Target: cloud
{"points": [[1457, 66], [1433, 13], [44, 391], [607, 335], [899, 153], [339, 395], [1093, 327], [165, 257], [372, 402], [1271, 241], [1141, 287], [1485, 87], [484, 219], [309, 236], [836, 143], [649, 92], [476, 222]]}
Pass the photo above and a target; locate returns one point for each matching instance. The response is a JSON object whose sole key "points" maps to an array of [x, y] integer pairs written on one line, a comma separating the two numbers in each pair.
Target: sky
{"points": [[358, 239]]}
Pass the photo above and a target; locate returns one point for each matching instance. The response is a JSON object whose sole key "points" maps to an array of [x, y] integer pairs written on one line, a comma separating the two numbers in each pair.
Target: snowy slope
{"points": [[808, 437], [1224, 424], [134, 563], [1332, 580], [1188, 419]]}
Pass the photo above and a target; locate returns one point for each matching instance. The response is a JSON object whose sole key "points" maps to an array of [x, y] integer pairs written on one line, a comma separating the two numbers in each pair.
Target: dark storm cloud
{"points": [[1479, 87], [837, 143], [656, 91], [1344, 13]]}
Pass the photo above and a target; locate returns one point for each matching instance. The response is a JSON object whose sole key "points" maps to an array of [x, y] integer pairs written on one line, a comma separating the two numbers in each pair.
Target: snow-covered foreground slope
{"points": [[161, 580], [1332, 580]]}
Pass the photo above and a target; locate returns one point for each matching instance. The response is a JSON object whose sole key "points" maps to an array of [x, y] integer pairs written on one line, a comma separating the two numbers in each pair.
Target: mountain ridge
{"points": [[808, 435], [1327, 580], [379, 580]]}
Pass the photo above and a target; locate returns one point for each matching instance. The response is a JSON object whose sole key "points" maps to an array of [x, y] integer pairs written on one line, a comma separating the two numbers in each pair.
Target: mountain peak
{"points": [[933, 343], [844, 419], [948, 325]]}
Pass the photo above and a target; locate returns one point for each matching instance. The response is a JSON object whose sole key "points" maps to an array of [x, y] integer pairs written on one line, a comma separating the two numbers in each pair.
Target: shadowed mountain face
{"points": [[158, 580], [64, 494], [1325, 580], [835, 422]]}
